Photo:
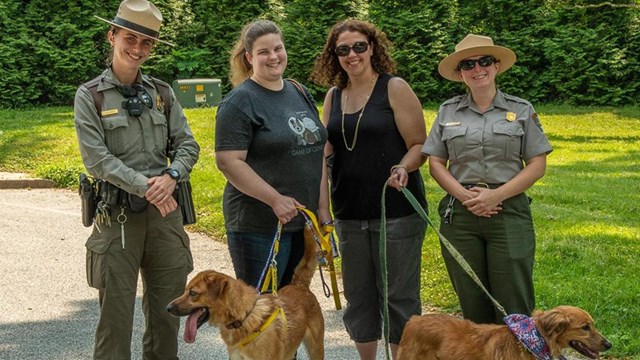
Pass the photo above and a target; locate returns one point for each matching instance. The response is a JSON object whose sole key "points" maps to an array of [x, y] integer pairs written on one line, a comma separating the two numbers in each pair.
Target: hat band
{"points": [[135, 27]]}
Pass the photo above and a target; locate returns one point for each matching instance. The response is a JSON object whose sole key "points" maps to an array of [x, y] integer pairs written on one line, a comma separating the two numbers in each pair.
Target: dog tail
{"points": [[307, 266]]}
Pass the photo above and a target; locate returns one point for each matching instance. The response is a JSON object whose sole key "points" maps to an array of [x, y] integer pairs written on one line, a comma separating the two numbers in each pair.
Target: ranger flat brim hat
{"points": [[140, 17], [475, 45]]}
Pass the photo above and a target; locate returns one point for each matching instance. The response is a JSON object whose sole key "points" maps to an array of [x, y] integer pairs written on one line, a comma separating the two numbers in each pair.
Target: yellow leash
{"points": [[270, 273], [323, 237], [272, 269], [255, 334]]}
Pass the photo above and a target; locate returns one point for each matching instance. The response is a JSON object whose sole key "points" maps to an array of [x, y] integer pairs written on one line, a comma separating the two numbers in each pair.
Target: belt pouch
{"points": [[137, 204]]}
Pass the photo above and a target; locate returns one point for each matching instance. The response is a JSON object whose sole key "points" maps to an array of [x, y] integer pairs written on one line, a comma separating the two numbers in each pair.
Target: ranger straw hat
{"points": [[474, 45], [140, 17]]}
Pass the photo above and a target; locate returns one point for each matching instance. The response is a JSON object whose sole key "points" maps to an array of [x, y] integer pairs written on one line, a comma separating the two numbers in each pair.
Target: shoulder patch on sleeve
{"points": [[536, 120]]}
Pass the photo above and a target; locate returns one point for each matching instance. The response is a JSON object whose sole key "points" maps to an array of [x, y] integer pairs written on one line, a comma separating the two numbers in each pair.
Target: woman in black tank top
{"points": [[376, 130]]}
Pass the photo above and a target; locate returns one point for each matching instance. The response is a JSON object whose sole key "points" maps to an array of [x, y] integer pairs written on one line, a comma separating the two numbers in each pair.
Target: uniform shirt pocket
{"points": [[508, 136], [159, 129], [115, 131], [454, 137]]}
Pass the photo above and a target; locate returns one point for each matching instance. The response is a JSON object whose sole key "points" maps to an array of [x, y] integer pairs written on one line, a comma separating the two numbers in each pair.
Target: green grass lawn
{"points": [[586, 208]]}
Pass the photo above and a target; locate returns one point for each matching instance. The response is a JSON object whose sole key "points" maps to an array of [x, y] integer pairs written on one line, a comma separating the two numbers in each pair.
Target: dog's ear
{"points": [[216, 285], [551, 324]]}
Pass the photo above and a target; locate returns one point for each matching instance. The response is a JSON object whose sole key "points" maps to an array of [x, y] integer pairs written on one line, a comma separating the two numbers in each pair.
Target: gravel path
{"points": [[49, 312]]}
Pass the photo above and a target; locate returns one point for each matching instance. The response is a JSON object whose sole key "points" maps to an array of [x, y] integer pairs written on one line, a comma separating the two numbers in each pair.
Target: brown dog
{"points": [[251, 325], [445, 337]]}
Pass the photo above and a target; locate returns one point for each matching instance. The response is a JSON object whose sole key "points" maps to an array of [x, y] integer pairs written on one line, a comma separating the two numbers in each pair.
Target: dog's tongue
{"points": [[191, 326]]}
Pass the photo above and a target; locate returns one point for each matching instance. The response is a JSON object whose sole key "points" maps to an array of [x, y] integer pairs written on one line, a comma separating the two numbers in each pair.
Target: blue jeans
{"points": [[250, 253]]}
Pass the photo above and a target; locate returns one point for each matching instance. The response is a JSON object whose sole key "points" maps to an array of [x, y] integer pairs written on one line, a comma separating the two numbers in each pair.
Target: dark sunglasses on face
{"points": [[358, 47], [470, 64]]}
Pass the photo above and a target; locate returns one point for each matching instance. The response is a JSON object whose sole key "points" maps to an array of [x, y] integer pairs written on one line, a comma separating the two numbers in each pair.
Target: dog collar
{"points": [[524, 329]]}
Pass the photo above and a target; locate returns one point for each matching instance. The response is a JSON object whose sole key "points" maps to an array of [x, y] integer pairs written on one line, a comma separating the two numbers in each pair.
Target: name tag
{"points": [[455, 123], [109, 112]]}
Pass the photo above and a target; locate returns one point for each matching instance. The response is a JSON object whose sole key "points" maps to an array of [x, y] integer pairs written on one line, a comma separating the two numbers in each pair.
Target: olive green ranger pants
{"points": [[500, 250], [157, 248]]}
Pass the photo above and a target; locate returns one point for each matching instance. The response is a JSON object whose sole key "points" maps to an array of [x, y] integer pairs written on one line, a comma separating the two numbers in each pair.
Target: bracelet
{"points": [[328, 222], [399, 166]]}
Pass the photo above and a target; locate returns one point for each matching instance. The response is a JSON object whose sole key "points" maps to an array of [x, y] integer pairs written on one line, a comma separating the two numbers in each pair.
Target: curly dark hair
{"points": [[326, 68]]}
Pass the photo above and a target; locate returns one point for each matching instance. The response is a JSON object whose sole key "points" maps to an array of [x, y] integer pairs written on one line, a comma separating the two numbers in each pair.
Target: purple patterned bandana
{"points": [[524, 328]]}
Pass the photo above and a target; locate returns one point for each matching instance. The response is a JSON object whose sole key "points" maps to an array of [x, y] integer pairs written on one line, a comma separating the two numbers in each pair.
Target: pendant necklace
{"points": [[355, 133]]}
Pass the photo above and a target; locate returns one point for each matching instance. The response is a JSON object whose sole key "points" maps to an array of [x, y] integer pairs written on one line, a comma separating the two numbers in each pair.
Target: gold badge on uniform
{"points": [[159, 103], [109, 112], [511, 116]]}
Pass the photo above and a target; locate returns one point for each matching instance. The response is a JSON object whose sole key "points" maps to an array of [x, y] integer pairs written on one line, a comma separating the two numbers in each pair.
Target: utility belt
{"points": [[99, 196]]}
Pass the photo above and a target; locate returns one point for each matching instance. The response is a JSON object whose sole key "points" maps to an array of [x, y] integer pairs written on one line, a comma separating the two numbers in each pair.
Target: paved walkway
{"points": [[48, 312]]}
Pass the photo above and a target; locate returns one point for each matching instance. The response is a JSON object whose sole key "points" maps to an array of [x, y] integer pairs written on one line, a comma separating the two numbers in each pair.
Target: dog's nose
{"points": [[607, 345], [170, 308]]}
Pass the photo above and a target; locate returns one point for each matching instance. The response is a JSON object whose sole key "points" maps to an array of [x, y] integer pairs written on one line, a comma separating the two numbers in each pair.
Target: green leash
{"points": [[456, 255], [385, 275], [383, 260]]}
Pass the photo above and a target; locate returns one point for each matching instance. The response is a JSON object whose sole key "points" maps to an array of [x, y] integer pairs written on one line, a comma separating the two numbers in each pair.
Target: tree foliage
{"points": [[583, 52]]}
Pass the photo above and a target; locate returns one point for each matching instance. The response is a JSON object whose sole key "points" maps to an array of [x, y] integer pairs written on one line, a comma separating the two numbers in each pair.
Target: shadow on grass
{"points": [[630, 112], [554, 138]]}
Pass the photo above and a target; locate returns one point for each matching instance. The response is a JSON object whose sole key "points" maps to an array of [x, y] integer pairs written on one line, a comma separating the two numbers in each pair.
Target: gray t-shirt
{"points": [[284, 139], [486, 147]]}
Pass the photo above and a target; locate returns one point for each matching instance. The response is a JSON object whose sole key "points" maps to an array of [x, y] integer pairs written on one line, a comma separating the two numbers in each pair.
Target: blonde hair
{"points": [[241, 69]]}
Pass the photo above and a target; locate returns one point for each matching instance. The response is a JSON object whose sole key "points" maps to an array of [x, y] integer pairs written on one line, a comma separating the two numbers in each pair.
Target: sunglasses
{"points": [[483, 61], [358, 47]]}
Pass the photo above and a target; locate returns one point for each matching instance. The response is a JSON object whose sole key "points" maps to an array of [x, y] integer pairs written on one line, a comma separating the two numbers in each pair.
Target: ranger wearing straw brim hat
{"points": [[473, 45], [139, 16], [485, 149]]}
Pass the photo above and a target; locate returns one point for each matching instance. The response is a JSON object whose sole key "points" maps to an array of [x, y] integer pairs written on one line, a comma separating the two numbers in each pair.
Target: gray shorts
{"points": [[359, 244]]}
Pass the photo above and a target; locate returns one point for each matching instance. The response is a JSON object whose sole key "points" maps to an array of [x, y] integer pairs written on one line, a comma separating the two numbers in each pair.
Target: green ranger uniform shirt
{"points": [[487, 147], [127, 150]]}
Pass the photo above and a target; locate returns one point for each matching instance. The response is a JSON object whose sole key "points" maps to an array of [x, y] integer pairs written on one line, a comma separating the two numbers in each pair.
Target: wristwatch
{"points": [[173, 173]]}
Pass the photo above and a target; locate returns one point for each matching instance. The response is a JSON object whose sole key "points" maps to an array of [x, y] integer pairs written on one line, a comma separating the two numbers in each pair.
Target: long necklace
{"points": [[355, 133]]}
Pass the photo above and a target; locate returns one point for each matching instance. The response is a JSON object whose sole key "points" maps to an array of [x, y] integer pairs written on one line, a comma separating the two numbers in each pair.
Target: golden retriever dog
{"points": [[444, 337], [251, 324]]}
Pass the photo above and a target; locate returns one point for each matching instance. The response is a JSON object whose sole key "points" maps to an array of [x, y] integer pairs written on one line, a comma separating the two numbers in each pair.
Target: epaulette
{"points": [[454, 100], [516, 99]]}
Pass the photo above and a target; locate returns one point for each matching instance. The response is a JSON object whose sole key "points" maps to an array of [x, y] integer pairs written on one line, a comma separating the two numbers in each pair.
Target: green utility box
{"points": [[195, 93]]}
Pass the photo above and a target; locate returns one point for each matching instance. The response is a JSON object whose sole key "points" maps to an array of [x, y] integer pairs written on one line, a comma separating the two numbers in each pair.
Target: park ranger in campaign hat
{"points": [[137, 146], [473, 45], [139, 16], [486, 148]]}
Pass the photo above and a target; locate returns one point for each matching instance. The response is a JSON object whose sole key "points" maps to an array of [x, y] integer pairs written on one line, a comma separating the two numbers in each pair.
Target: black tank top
{"points": [[358, 176]]}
